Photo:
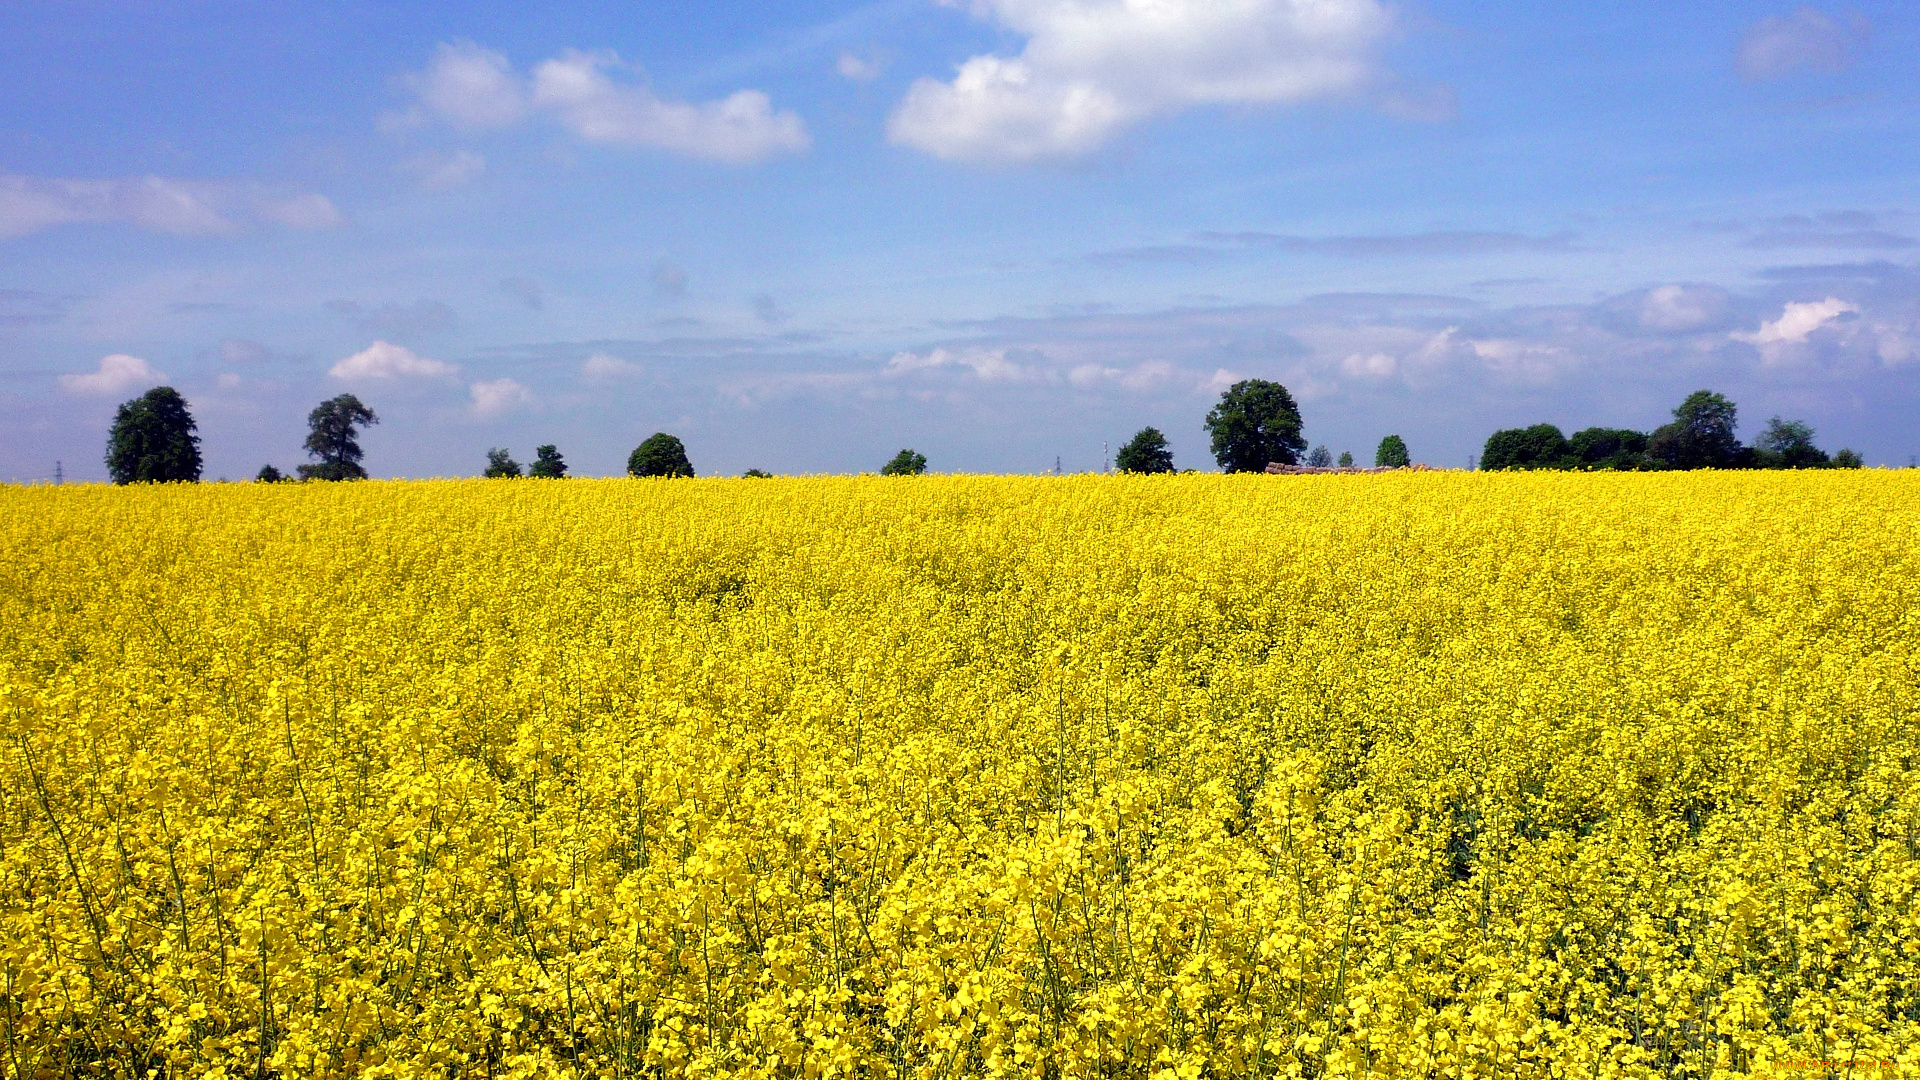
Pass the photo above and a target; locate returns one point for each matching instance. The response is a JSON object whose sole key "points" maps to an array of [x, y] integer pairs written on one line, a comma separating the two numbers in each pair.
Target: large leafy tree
{"points": [[1147, 452], [1608, 448], [660, 455], [1700, 436], [1788, 444], [1320, 458], [1255, 423], [905, 463], [1541, 446], [152, 440], [547, 463], [1392, 453], [500, 465], [333, 438]]}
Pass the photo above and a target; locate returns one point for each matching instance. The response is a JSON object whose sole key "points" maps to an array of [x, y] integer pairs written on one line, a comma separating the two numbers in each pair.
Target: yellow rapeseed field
{"points": [[1416, 775]]}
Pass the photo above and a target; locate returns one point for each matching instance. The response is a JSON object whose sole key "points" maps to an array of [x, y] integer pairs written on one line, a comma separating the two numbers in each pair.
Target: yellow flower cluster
{"points": [[1434, 775]]}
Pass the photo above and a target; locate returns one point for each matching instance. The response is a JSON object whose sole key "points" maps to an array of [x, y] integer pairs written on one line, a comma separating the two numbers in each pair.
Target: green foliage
{"points": [[1608, 448], [660, 455], [1392, 453], [547, 463], [1700, 436], [1346, 459], [1146, 452], [905, 463], [756, 474], [269, 475], [1538, 447], [1788, 444], [333, 438], [1847, 459], [501, 466], [152, 440], [1320, 458], [1255, 423]]}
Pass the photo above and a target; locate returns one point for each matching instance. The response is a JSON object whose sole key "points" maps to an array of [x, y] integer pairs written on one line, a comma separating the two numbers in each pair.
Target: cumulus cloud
{"points": [[739, 129], [1092, 68], [1805, 39], [475, 88], [497, 396], [179, 207], [1797, 321], [382, 360], [117, 373], [989, 365], [600, 368], [470, 87]]}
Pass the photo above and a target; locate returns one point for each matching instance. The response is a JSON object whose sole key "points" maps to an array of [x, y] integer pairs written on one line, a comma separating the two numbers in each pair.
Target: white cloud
{"points": [[1779, 45], [1797, 320], [601, 367], [990, 365], [1672, 308], [444, 171], [1094, 67], [471, 87], [739, 129], [381, 360], [1377, 365], [1147, 375], [117, 373], [179, 207], [498, 396], [853, 67]]}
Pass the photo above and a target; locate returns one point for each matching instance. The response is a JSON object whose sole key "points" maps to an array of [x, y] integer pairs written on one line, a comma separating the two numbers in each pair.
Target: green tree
{"points": [[500, 465], [152, 440], [547, 463], [1700, 436], [660, 455], [1847, 459], [1608, 448], [1538, 447], [756, 474], [1788, 444], [1146, 452], [1320, 458], [269, 475], [1255, 423], [1392, 453], [905, 463], [1346, 459], [333, 438]]}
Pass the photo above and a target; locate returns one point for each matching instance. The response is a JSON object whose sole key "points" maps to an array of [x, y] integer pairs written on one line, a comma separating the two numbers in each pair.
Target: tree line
{"points": [[1700, 436], [1256, 422]]}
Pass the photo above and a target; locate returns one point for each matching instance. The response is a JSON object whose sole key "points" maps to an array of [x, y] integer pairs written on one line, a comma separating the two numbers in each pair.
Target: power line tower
{"points": [[1056, 464], [1105, 460], [59, 477]]}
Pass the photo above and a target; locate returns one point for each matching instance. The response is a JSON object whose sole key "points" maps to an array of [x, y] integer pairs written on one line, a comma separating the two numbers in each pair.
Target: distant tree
{"points": [[152, 440], [1346, 459], [332, 438], [1392, 453], [905, 463], [756, 474], [1701, 435], [1847, 459], [1608, 448], [1788, 444], [660, 455], [500, 465], [1538, 447], [1147, 452], [269, 475], [547, 463], [1320, 458], [1255, 423]]}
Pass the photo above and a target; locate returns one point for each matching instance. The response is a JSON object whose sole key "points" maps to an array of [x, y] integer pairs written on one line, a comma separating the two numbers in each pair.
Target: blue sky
{"points": [[1003, 232]]}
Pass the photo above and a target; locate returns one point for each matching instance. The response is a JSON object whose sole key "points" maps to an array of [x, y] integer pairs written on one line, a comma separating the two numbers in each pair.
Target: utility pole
{"points": [[1104, 458], [1056, 464], [58, 476]]}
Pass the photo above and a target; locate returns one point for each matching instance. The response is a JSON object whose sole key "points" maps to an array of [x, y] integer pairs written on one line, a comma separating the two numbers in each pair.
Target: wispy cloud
{"points": [[179, 207], [1806, 39]]}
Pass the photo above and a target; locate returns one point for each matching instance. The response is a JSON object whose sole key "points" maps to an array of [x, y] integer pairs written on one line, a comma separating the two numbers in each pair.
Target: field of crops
{"points": [[1418, 775]]}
